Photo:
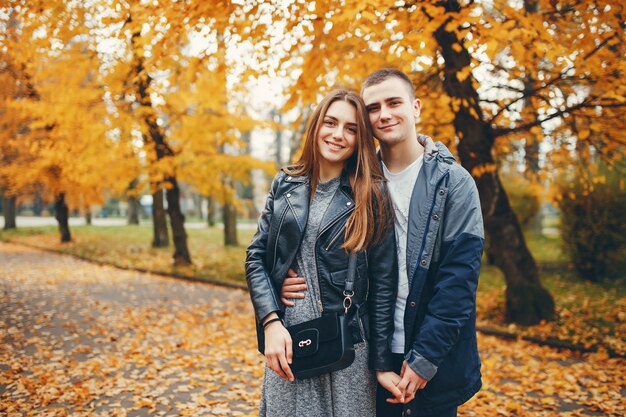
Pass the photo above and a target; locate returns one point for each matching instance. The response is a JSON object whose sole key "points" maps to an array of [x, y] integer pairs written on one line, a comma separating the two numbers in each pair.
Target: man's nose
{"points": [[384, 112]]}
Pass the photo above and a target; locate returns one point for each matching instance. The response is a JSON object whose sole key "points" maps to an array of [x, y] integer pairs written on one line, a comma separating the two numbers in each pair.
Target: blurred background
{"points": [[145, 133]]}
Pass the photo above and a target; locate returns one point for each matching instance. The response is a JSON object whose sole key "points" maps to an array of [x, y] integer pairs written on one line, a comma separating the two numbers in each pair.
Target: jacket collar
{"points": [[295, 179], [344, 182], [342, 201], [434, 150]]}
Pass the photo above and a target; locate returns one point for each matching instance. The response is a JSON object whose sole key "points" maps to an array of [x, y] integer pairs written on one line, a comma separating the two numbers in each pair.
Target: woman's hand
{"points": [[389, 380], [410, 383], [278, 352]]}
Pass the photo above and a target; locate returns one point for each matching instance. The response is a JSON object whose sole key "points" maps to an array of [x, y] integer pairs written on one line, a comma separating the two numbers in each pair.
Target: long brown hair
{"points": [[372, 203]]}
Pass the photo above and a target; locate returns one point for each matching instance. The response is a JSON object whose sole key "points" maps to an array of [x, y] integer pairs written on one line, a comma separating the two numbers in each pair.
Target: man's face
{"points": [[391, 110]]}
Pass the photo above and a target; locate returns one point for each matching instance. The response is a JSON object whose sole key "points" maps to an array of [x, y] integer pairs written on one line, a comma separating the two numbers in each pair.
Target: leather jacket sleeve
{"points": [[265, 297], [383, 274]]}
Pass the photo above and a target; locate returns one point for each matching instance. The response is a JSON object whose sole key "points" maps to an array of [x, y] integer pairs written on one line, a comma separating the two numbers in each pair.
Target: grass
{"points": [[588, 314], [129, 247]]}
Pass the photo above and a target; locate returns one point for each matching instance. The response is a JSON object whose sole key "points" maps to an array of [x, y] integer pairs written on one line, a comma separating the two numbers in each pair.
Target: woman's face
{"points": [[336, 137]]}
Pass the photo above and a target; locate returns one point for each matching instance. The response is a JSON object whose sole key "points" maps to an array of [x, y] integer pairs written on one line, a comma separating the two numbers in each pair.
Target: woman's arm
{"points": [[264, 296], [277, 349]]}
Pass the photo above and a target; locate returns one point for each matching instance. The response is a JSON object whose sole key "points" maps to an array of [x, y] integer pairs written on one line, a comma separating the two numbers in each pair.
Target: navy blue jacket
{"points": [[444, 250]]}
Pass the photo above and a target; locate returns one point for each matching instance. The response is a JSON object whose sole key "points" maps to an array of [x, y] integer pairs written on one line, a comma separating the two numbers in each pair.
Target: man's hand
{"points": [[292, 287], [409, 384], [278, 352], [389, 381]]}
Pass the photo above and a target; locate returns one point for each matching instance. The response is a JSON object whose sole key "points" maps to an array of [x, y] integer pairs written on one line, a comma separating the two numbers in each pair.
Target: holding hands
{"points": [[404, 386]]}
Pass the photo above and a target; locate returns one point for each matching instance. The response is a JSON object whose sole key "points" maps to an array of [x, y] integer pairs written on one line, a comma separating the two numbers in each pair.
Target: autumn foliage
{"points": [[123, 97], [592, 222], [96, 341]]}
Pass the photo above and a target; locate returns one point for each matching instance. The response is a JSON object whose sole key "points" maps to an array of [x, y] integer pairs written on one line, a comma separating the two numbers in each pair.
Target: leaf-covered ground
{"points": [[129, 247], [83, 340], [589, 315]]}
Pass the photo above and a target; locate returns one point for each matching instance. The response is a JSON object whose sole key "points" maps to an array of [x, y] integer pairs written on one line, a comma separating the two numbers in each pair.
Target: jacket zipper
{"points": [[280, 225], [430, 213], [334, 239], [367, 294], [331, 224], [361, 328]]}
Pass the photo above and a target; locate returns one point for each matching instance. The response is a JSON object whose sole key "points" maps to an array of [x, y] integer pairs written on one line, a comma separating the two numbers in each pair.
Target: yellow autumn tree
{"points": [[60, 139], [171, 85], [489, 74]]}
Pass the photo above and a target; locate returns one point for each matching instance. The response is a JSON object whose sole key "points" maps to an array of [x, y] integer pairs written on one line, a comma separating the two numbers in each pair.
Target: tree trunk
{"points": [[229, 213], [210, 211], [133, 203], [177, 222], [155, 135], [159, 222], [9, 211], [88, 217], [527, 301], [278, 136], [133, 210], [38, 204], [197, 202], [61, 213]]}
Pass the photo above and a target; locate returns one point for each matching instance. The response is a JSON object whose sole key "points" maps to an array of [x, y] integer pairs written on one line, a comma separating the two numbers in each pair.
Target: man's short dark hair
{"points": [[384, 74]]}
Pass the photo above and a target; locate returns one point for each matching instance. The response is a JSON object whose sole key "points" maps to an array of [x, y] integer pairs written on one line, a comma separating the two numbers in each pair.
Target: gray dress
{"points": [[350, 392]]}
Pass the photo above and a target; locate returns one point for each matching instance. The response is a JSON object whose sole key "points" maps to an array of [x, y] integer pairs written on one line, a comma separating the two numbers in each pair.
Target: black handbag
{"points": [[325, 345]]}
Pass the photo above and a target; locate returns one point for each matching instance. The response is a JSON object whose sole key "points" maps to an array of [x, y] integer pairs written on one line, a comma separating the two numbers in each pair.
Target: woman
{"points": [[330, 203]]}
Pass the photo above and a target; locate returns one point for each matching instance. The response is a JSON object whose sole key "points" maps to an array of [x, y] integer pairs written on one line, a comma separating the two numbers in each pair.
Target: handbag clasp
{"points": [[347, 301]]}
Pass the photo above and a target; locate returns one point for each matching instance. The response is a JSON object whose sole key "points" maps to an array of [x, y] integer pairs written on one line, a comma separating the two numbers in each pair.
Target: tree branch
{"points": [[506, 131]]}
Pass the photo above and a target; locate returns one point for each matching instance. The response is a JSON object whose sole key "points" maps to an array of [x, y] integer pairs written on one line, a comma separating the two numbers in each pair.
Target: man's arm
{"points": [[293, 287]]}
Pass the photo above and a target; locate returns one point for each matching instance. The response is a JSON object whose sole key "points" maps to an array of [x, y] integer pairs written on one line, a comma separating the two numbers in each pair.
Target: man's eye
{"points": [[372, 109]]}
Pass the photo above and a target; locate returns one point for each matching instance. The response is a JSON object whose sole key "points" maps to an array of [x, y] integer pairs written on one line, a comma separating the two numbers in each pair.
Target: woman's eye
{"points": [[352, 130], [329, 123]]}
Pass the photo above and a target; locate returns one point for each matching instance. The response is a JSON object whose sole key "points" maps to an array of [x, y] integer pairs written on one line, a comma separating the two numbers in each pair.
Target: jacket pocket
{"points": [[338, 278]]}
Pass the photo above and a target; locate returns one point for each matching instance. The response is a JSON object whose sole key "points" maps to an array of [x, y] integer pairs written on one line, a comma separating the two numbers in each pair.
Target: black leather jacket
{"points": [[276, 243]]}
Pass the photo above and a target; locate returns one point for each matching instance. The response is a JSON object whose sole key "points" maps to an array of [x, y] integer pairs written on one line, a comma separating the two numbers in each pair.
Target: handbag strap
{"points": [[348, 291]]}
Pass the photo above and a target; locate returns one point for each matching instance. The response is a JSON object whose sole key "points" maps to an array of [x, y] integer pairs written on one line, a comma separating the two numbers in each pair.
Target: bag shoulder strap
{"points": [[348, 291], [349, 286]]}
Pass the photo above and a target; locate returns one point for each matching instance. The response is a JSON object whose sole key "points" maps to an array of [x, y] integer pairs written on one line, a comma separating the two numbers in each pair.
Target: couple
{"points": [[412, 216]]}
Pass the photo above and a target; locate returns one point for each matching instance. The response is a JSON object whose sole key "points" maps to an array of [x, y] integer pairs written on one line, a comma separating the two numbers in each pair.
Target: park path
{"points": [[78, 339]]}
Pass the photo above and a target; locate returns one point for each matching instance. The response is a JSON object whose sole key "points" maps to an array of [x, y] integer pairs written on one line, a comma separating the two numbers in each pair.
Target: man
{"points": [[440, 240]]}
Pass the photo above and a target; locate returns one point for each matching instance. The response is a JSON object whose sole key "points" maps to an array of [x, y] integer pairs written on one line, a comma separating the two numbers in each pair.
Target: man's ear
{"points": [[417, 106]]}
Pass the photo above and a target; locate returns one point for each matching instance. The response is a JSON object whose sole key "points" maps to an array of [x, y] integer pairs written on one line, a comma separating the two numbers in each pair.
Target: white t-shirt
{"points": [[401, 187]]}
